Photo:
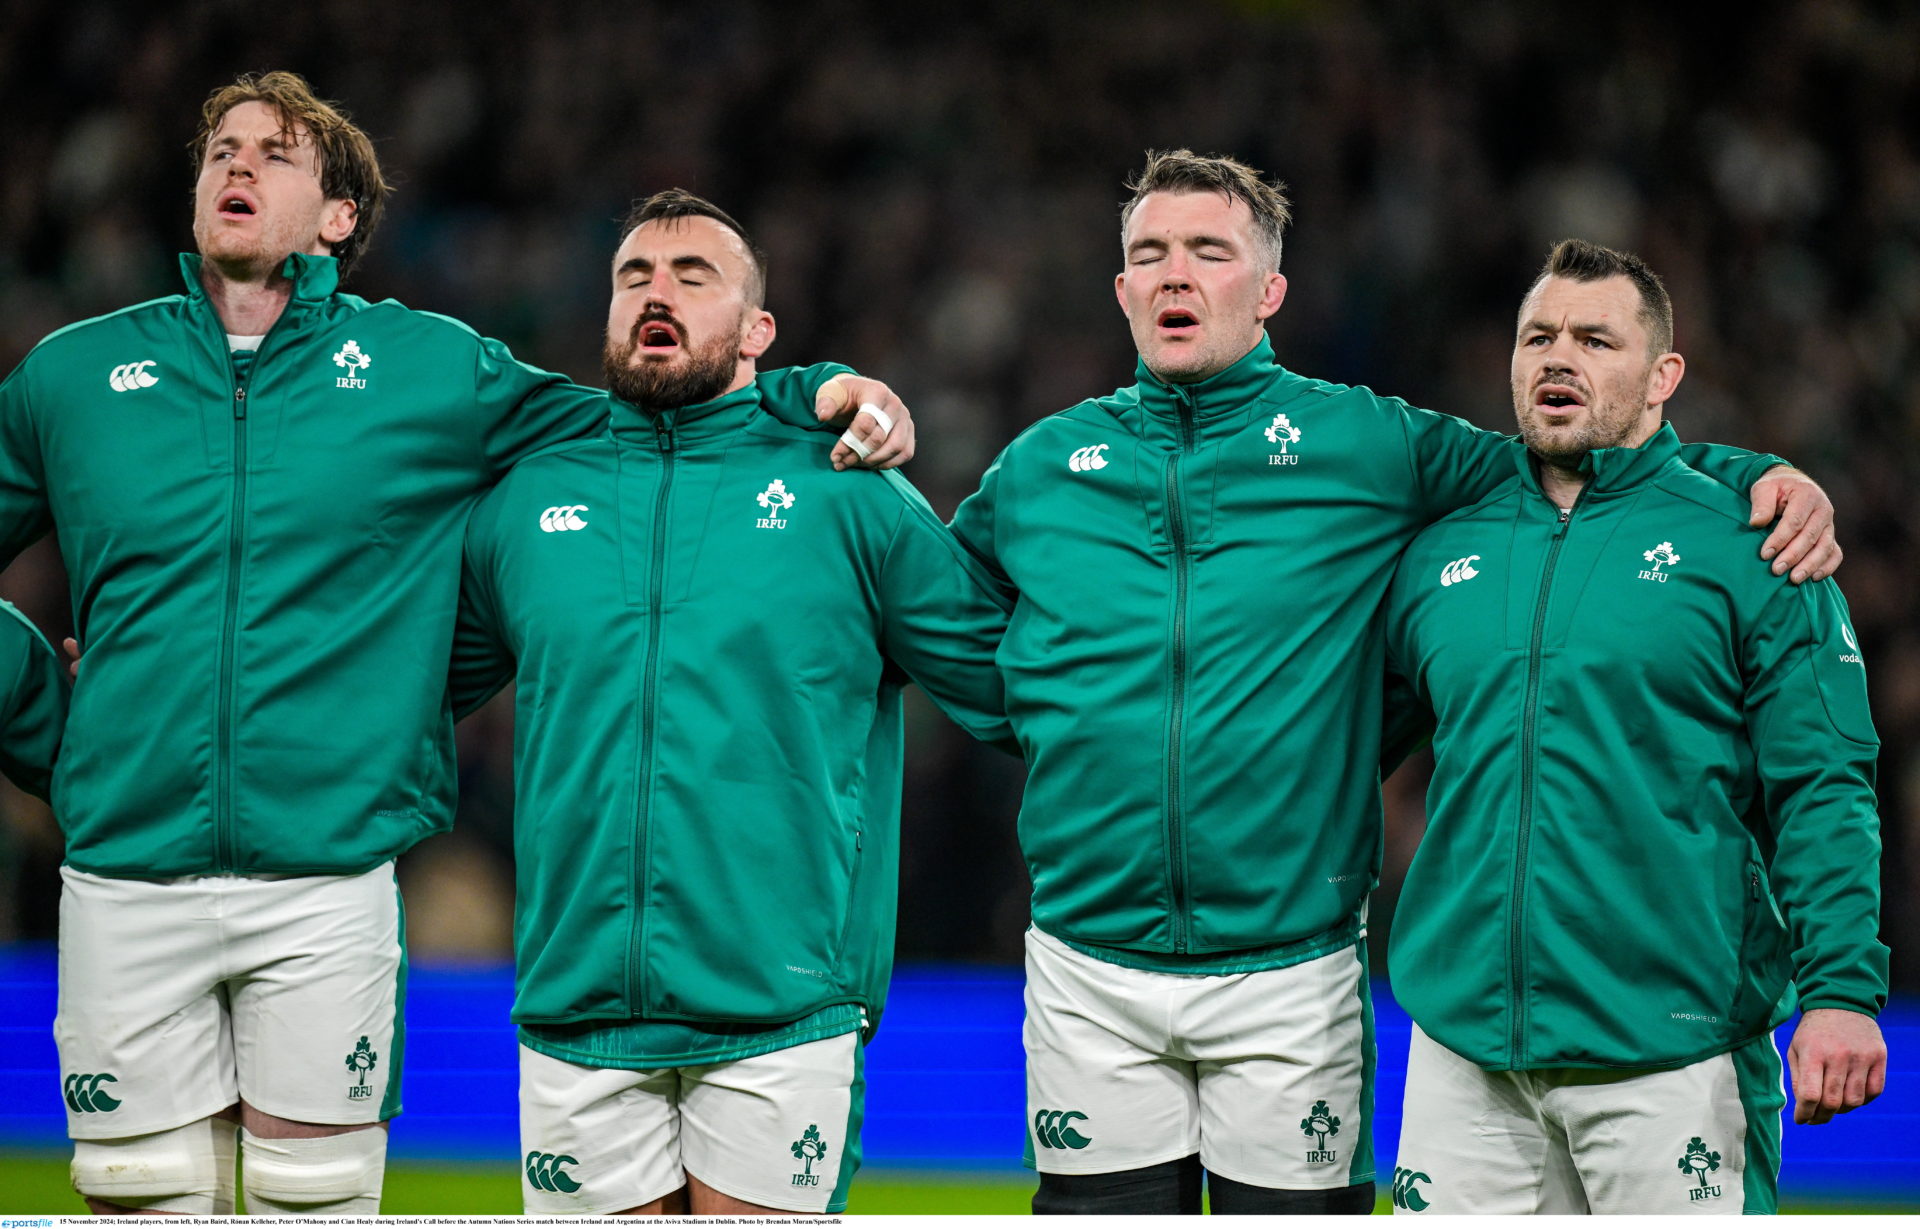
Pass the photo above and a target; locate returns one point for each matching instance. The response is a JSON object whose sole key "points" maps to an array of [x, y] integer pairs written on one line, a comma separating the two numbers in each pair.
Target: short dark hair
{"points": [[349, 169], [679, 203], [1580, 261], [1182, 170]]}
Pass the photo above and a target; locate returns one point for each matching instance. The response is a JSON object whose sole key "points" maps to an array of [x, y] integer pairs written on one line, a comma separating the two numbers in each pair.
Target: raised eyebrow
{"points": [[1596, 329]]}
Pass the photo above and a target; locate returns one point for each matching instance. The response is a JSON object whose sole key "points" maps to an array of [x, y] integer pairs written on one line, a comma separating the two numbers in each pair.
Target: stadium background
{"points": [[937, 187]]}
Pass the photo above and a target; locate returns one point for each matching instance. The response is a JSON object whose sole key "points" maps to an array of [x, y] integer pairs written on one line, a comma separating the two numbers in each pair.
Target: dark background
{"points": [[938, 189]]}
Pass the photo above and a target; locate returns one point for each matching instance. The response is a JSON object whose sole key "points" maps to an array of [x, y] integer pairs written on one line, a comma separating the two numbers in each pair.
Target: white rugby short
{"points": [[1267, 1075], [180, 997], [781, 1130], [1702, 1139]]}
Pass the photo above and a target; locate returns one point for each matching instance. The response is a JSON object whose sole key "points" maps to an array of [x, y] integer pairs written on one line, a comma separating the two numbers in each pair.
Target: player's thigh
{"points": [[596, 1140], [778, 1130], [1476, 1142], [319, 996], [1103, 1093], [1703, 1139], [1286, 1073], [142, 1025]]}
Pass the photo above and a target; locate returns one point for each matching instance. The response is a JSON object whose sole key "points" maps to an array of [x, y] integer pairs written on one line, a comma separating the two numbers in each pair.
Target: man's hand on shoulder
{"points": [[1839, 1063], [848, 401], [72, 647], [1802, 520]]}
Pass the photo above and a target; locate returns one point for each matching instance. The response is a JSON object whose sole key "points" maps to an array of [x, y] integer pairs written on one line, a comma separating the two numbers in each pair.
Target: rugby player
{"points": [[1193, 667], [1651, 825], [708, 790], [259, 487]]}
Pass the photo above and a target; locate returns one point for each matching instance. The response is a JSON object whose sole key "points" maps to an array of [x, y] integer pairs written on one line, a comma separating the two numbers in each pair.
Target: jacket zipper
{"points": [[230, 616], [1529, 746], [1176, 725], [643, 826]]}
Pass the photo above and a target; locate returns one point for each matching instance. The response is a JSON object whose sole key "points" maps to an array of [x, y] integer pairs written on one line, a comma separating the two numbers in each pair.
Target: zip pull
{"points": [[664, 431], [240, 401]]}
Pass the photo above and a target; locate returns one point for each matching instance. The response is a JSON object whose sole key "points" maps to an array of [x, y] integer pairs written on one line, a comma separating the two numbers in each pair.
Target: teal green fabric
{"points": [[1221, 964], [397, 1048], [850, 1152], [33, 707], [1652, 804], [1194, 659], [1361, 1168], [1763, 1096], [709, 648], [644, 1045], [265, 565]]}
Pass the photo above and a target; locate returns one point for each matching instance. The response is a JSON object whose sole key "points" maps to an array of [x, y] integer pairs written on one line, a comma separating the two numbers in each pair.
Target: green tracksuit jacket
{"points": [[33, 703], [264, 561], [711, 629], [1653, 800], [1194, 660]]}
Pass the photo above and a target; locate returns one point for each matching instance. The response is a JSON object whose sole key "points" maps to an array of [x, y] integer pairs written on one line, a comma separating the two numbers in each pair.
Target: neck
{"points": [[1561, 485], [247, 301]]}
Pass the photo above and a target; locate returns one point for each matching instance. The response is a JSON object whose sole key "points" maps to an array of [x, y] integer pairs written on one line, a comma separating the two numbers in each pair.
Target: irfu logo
{"points": [[1282, 432], [1405, 1193], [1054, 1129], [362, 1060], [1698, 1163], [85, 1096], [1317, 1125], [1660, 556], [545, 1173], [775, 499], [355, 360], [808, 1149]]}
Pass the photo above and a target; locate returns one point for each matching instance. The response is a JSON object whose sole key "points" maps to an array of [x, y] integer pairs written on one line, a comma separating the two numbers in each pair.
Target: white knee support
{"points": [[188, 1169], [332, 1175]]}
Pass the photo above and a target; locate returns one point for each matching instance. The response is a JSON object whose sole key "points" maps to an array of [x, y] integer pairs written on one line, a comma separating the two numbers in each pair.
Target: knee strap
{"points": [[1169, 1189], [1229, 1198], [188, 1169], [331, 1174]]}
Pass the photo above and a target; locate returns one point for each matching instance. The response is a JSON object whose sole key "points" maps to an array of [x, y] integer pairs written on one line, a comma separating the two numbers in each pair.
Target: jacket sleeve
{"points": [[1814, 747], [33, 712], [483, 662], [975, 527], [787, 393], [1407, 723], [941, 620], [1456, 463], [1733, 468], [25, 515]]}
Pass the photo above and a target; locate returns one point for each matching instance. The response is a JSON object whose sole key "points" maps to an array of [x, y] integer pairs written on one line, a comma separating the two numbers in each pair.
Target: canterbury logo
{"points": [[563, 518], [1406, 1190], [129, 376], [544, 1172], [1089, 458], [1054, 1128], [85, 1096], [1459, 571]]}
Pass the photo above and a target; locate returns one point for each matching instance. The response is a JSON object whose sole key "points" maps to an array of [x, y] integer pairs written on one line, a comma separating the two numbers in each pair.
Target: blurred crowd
{"points": [[937, 186]]}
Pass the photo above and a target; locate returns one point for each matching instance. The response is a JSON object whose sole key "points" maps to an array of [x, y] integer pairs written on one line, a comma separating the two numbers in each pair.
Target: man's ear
{"points": [[1272, 296], [337, 222], [758, 338], [1665, 377]]}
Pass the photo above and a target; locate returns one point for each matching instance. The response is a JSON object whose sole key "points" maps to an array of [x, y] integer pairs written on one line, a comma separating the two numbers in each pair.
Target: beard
{"points": [[1609, 422], [698, 374]]}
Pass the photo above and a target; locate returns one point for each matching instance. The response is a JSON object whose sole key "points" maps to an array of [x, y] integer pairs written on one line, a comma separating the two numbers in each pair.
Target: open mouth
{"points": [[659, 335], [1177, 319], [1558, 397], [234, 205]]}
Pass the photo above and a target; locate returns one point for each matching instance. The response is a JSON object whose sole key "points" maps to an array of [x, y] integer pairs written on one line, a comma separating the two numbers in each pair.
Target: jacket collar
{"points": [[1615, 471], [1221, 393], [313, 277], [689, 424]]}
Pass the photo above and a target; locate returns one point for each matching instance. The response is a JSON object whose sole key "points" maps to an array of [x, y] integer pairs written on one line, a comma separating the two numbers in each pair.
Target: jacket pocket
{"points": [[850, 906], [1761, 972]]}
